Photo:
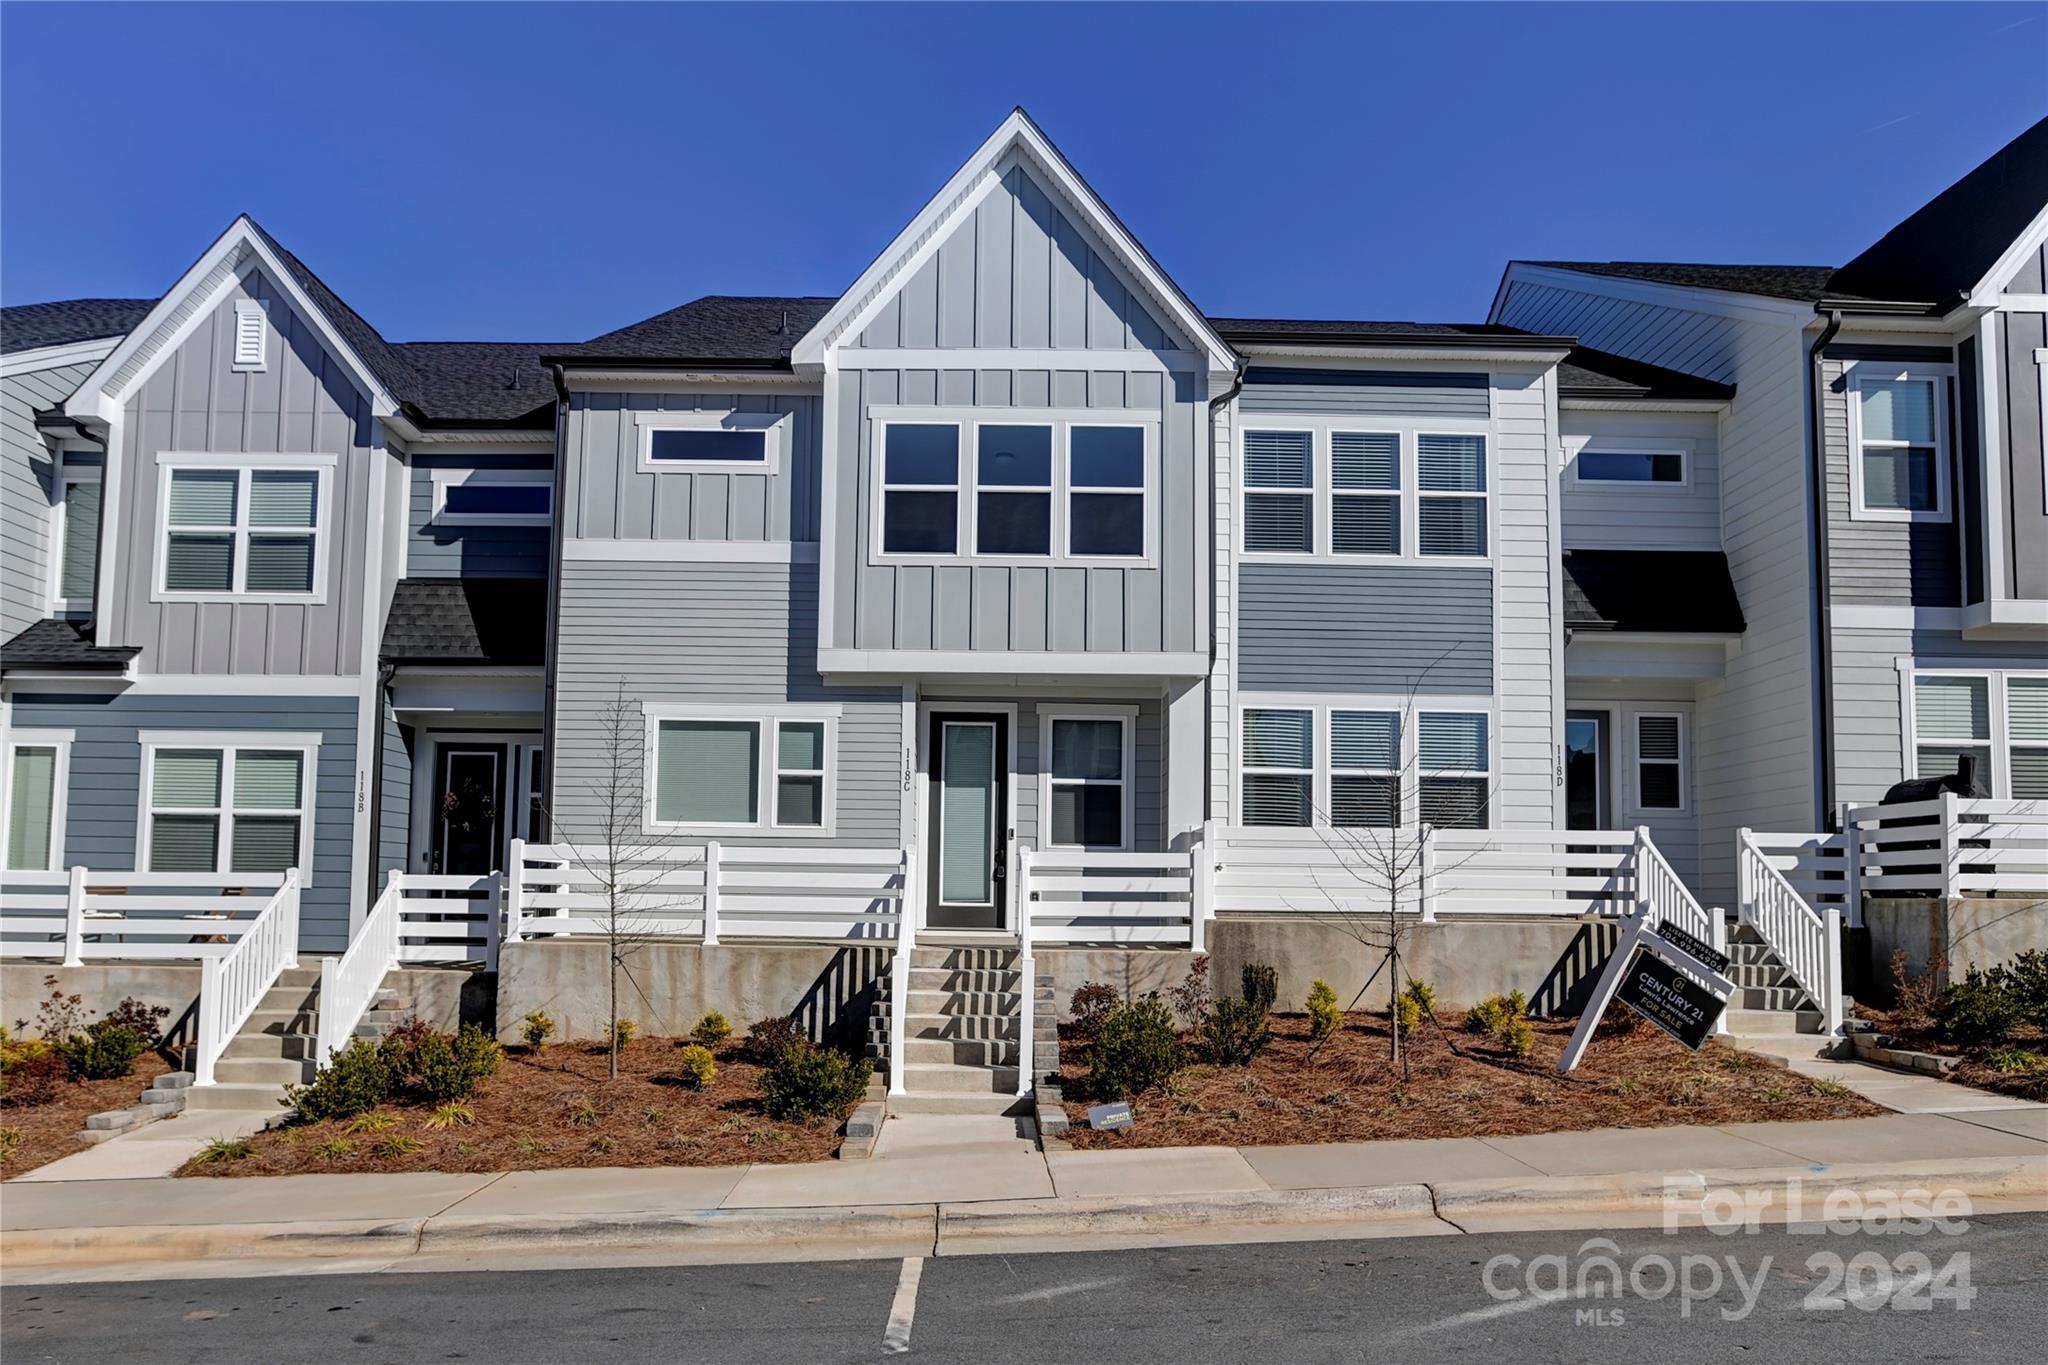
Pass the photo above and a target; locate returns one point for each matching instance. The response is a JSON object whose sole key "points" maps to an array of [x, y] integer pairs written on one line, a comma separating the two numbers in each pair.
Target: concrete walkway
{"points": [[154, 1149], [1908, 1093]]}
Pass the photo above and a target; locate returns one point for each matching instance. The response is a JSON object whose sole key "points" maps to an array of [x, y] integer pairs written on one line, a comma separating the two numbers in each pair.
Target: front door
{"points": [[967, 807], [1585, 770], [469, 809]]}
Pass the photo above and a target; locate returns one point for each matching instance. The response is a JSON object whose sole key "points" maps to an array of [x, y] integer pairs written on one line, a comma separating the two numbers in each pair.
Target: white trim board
{"points": [[694, 551], [60, 790], [53, 357]]}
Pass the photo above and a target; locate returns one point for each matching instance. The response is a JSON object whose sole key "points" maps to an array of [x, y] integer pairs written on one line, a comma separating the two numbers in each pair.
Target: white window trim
{"points": [[774, 425], [1942, 376], [306, 745], [969, 421], [1316, 772], [767, 722], [63, 474], [1622, 445], [60, 791], [169, 463], [1127, 719], [1409, 709], [1996, 699], [1636, 762], [1322, 491], [444, 479], [1050, 488]]}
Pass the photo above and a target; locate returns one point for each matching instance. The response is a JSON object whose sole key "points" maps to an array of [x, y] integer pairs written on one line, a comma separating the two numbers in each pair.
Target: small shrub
{"points": [[396, 1144], [770, 1039], [1137, 1050], [33, 1076], [1090, 1006], [1919, 997], [1490, 1014], [14, 1049], [452, 1069], [713, 1029], [695, 1067], [1193, 996], [1518, 1036], [105, 1051], [2015, 1061], [535, 1028], [1236, 1032], [146, 1021], [334, 1149], [623, 1031], [1324, 1018], [814, 1083], [376, 1121], [1976, 1011], [401, 1046], [2025, 980], [451, 1116], [357, 1079], [584, 1113], [1408, 1012], [59, 1015], [1423, 994], [224, 1149], [1260, 986], [10, 1138]]}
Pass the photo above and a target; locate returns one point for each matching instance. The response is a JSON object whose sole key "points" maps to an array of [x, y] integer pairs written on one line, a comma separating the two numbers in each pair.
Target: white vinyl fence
{"points": [[79, 915], [1952, 846], [1806, 937]]}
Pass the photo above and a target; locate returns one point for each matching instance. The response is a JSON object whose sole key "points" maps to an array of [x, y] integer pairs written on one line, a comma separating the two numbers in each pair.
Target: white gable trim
{"points": [[1721, 302], [1986, 294], [1016, 139], [226, 262], [51, 357]]}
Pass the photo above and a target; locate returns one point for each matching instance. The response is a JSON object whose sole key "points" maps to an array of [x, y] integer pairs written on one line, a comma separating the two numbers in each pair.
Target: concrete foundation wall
{"points": [[103, 985], [1980, 931], [666, 988]]}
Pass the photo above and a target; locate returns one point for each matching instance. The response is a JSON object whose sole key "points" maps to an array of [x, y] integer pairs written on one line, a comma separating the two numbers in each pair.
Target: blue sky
{"points": [[543, 172]]}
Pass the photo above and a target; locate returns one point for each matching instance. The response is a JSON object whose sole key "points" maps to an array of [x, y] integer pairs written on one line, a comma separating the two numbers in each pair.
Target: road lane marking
{"points": [[903, 1308]]}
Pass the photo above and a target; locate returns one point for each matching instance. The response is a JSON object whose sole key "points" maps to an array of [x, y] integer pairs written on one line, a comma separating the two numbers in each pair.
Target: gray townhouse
{"points": [[1007, 621]]}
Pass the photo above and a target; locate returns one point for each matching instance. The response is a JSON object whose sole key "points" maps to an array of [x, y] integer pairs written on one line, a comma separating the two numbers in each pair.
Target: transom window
{"points": [[1354, 492], [714, 770], [493, 497], [1660, 761], [1899, 455], [1357, 766], [1012, 489], [1087, 775], [1630, 466], [229, 807], [711, 442], [247, 531], [1998, 717]]}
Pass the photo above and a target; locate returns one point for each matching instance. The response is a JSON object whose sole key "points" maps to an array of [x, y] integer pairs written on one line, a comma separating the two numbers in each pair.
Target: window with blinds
{"points": [[1365, 492], [1951, 720], [1279, 492], [1660, 766], [1453, 762], [1450, 487], [78, 572], [253, 531], [1278, 763], [1365, 768], [1899, 456], [718, 771], [227, 809], [2026, 728], [32, 808], [1087, 781]]}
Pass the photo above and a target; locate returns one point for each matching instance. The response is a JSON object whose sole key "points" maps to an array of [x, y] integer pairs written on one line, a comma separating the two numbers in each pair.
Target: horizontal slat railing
{"points": [[85, 915], [1077, 896], [448, 917], [1952, 846]]}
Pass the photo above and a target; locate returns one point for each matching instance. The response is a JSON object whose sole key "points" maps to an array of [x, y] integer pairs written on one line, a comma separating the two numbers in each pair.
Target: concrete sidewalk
{"points": [[941, 1185]]}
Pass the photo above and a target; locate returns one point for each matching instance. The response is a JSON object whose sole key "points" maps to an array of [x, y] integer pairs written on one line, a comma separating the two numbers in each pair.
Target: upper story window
{"points": [[493, 497], [1346, 493], [1062, 487], [1630, 468], [76, 534], [1898, 457], [712, 442], [714, 769], [241, 528]]}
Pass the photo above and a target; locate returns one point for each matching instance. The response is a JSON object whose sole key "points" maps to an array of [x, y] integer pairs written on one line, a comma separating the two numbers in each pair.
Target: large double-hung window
{"points": [[1343, 492], [221, 803], [1899, 444], [714, 769], [33, 798], [231, 528], [1997, 717], [1361, 766]]}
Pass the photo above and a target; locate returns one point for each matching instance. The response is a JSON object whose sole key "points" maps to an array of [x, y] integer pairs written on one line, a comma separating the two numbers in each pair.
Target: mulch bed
{"points": [[49, 1131], [1631, 1077], [2025, 1082], [557, 1109]]}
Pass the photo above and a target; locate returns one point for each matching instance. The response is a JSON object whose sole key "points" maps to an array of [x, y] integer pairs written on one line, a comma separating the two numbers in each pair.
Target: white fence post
{"points": [[1745, 891], [1951, 846], [209, 1020], [513, 885], [1852, 871], [1831, 976], [899, 967], [492, 920], [1202, 887], [711, 893], [1427, 864], [1642, 863], [74, 919], [1027, 973], [1718, 922], [289, 918]]}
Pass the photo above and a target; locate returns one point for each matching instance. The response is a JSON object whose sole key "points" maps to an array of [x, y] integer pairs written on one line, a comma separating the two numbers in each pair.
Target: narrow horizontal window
{"points": [[920, 488], [1106, 491], [1013, 498], [494, 500], [710, 445], [1615, 466], [1279, 499]]}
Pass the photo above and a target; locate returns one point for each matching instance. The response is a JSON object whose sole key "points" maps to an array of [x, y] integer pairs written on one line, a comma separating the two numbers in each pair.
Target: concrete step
{"points": [[963, 979], [273, 1071], [964, 1027], [956, 958], [247, 1046], [958, 1104], [1779, 998], [263, 1020], [1002, 1005], [238, 1095], [948, 1078], [1773, 1022], [960, 1052], [307, 973], [1751, 954]]}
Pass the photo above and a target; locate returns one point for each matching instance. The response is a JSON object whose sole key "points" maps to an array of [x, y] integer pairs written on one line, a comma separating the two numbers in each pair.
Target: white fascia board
{"points": [[240, 243], [1726, 303], [923, 663], [50, 357], [974, 180], [617, 379], [1361, 354], [1987, 290]]}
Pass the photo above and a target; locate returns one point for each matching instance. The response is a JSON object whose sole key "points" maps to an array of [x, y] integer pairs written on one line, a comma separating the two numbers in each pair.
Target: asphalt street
{"points": [[1979, 1293]]}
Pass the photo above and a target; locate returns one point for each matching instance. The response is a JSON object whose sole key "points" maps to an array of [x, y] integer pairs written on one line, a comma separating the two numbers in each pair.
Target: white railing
{"points": [[232, 983], [1661, 889], [80, 915], [1806, 938], [448, 917], [349, 983], [1816, 866], [1952, 846]]}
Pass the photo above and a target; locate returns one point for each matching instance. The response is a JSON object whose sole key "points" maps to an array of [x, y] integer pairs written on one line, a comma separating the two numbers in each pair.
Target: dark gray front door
{"points": [[469, 808], [966, 809], [1586, 801]]}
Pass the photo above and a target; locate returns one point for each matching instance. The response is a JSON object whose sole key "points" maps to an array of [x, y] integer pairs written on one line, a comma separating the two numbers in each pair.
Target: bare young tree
{"points": [[608, 845]]}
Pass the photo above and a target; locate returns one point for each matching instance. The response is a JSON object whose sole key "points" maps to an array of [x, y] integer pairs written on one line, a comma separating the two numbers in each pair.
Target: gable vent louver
{"points": [[249, 338]]}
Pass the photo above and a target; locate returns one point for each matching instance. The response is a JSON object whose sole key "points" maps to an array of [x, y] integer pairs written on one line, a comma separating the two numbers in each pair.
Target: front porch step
{"points": [[961, 1052], [972, 981], [246, 1046], [1777, 998], [1772, 1022], [949, 1078], [960, 1027], [236, 1095], [271, 1071], [959, 1104], [954, 957], [993, 1005], [1760, 974]]}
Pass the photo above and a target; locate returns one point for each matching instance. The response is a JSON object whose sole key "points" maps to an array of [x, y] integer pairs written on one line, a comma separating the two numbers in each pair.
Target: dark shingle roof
{"points": [[60, 644], [759, 329], [1250, 330], [32, 326], [1800, 283], [1679, 591], [1940, 252], [481, 381], [466, 621], [1587, 373]]}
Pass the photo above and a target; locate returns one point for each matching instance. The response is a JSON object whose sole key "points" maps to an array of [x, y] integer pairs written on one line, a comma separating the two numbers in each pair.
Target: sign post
{"points": [[1663, 973]]}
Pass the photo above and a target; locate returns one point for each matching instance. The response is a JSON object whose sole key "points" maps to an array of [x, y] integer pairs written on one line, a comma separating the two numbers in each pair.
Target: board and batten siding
{"points": [[1882, 563], [105, 811], [2020, 338], [607, 496], [195, 402], [1643, 516], [27, 556], [1323, 627], [717, 634], [1026, 606], [1755, 728], [1147, 784], [433, 550]]}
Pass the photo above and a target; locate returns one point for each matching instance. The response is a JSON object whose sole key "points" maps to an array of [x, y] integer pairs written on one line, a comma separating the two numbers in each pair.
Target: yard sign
{"points": [[1662, 973]]}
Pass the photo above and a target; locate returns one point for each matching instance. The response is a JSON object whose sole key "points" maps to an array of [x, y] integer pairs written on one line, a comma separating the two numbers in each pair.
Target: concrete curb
{"points": [[887, 1229], [1122, 1220], [213, 1241]]}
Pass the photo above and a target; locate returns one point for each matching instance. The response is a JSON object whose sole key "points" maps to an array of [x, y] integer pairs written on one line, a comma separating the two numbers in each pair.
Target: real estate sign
{"points": [[1666, 975]]}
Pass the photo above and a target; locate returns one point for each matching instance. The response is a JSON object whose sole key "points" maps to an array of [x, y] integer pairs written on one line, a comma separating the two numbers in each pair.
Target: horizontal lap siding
{"points": [[1360, 393], [106, 781], [26, 553], [1645, 516], [1338, 627], [1870, 741], [1880, 563], [435, 551], [721, 634]]}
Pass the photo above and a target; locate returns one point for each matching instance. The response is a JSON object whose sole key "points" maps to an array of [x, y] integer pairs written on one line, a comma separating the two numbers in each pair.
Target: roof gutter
{"points": [[1824, 728]]}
